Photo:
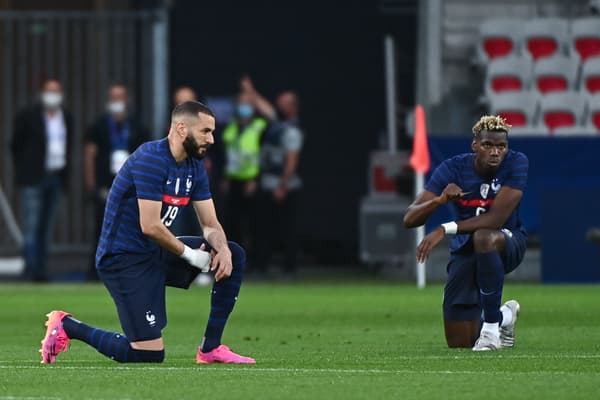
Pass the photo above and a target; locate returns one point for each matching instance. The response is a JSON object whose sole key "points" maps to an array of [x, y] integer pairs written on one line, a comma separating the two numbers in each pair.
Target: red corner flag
{"points": [[419, 160]]}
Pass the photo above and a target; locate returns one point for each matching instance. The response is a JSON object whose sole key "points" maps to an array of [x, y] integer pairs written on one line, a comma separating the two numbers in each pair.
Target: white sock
{"points": [[507, 316], [491, 327]]}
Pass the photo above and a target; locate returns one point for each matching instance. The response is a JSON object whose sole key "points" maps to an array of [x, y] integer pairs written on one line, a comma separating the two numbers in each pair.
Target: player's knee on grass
{"points": [[145, 356], [461, 334]]}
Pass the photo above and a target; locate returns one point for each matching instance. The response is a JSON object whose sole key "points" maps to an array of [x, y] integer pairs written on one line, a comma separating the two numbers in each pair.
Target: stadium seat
{"points": [[545, 37], [499, 37], [508, 74], [590, 75], [562, 110], [519, 108], [585, 37], [557, 73], [592, 119]]}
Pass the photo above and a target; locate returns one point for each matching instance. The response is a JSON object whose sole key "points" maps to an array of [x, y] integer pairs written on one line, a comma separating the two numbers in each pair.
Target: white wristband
{"points": [[450, 228], [197, 258], [188, 253]]}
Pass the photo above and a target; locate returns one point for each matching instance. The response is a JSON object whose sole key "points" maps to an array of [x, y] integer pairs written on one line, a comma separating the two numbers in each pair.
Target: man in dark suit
{"points": [[40, 148], [109, 141]]}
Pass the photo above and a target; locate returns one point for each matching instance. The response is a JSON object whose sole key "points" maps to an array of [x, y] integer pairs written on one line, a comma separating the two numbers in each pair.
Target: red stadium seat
{"points": [[545, 37], [592, 84], [519, 108], [499, 37], [559, 119], [590, 75], [585, 37], [596, 119], [497, 46], [552, 84], [506, 83], [508, 74], [562, 109], [593, 117], [516, 118], [540, 47], [587, 47], [558, 73]]}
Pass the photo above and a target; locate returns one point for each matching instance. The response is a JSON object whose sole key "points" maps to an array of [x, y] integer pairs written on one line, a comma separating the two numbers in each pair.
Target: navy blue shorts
{"points": [[137, 283], [461, 294]]}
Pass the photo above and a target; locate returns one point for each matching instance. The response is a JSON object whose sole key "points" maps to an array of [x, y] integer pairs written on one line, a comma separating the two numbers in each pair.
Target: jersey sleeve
{"points": [[201, 188], [444, 174], [148, 171], [292, 139], [517, 178]]}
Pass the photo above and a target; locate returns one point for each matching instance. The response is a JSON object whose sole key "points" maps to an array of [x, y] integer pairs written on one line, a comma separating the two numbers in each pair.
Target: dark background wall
{"points": [[332, 55]]}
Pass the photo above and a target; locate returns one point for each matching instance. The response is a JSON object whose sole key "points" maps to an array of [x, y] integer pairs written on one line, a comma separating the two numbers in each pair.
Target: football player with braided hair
{"points": [[487, 239]]}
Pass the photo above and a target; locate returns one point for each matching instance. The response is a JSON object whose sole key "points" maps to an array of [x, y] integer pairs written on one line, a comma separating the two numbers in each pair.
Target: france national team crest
{"points": [[495, 185], [150, 318], [484, 189], [188, 185]]}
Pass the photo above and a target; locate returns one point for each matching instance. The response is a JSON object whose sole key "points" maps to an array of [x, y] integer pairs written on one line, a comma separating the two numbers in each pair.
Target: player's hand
{"points": [[197, 258], [429, 242], [452, 192], [221, 264]]}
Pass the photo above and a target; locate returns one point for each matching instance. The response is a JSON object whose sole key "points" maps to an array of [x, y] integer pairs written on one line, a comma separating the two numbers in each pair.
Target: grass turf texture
{"points": [[311, 341]]}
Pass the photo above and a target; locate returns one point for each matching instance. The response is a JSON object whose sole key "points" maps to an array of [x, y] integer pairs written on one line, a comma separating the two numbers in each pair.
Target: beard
{"points": [[192, 148]]}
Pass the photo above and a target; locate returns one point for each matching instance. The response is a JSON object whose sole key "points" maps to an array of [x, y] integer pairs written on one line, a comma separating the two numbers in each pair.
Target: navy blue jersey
{"points": [[150, 173], [460, 170]]}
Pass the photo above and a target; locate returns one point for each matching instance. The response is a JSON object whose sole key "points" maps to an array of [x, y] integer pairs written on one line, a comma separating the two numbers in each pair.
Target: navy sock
{"points": [[113, 345], [490, 277], [223, 298]]}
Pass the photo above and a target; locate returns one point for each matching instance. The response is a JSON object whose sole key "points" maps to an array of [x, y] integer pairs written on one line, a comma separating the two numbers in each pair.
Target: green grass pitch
{"points": [[312, 341]]}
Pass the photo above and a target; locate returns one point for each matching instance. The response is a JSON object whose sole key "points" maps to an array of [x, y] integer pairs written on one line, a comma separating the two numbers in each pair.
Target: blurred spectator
{"points": [[183, 94], [40, 148], [109, 141], [241, 141], [280, 183]]}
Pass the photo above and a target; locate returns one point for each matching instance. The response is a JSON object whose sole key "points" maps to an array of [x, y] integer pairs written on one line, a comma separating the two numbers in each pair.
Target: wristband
{"points": [[450, 228], [188, 253]]}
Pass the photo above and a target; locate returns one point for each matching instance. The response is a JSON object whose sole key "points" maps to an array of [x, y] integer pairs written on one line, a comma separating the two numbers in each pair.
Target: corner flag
{"points": [[420, 162]]}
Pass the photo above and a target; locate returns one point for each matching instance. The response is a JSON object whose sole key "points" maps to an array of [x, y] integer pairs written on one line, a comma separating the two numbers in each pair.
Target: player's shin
{"points": [[223, 298], [490, 277], [111, 344]]}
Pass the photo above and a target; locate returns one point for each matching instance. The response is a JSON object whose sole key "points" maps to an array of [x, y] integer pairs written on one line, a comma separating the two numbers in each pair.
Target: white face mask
{"points": [[51, 100], [116, 107]]}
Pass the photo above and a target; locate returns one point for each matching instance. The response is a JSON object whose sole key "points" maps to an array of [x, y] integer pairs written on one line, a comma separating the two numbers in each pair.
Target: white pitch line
{"points": [[28, 398], [465, 356], [296, 370]]}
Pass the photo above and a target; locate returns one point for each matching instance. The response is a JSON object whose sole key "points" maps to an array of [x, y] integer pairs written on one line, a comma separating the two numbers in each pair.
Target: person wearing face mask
{"points": [[280, 182], [241, 139], [40, 149], [109, 141]]}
